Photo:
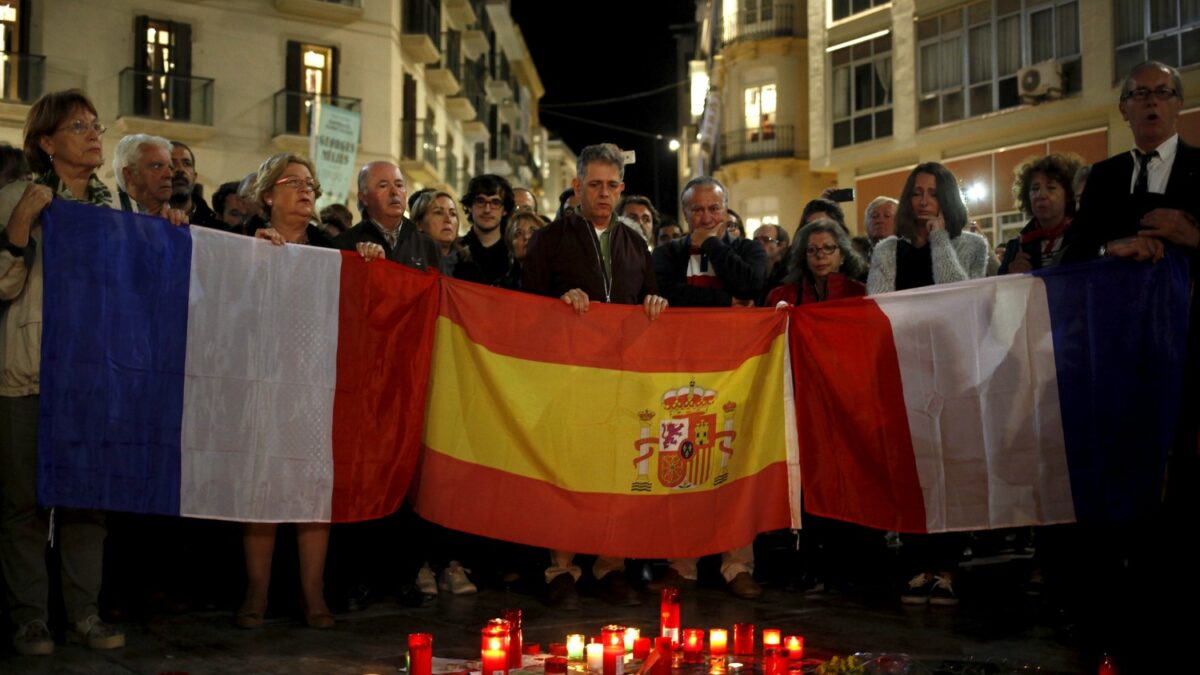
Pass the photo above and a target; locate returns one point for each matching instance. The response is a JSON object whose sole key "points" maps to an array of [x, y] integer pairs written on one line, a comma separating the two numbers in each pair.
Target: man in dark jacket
{"points": [[488, 202], [707, 268], [590, 255], [382, 198], [185, 194]]}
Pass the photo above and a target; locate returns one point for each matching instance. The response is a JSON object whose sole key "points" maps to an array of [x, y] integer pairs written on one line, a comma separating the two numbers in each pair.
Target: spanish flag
{"points": [[607, 433]]}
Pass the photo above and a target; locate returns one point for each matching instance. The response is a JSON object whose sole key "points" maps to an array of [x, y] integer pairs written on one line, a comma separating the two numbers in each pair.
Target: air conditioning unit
{"points": [[1040, 81]]}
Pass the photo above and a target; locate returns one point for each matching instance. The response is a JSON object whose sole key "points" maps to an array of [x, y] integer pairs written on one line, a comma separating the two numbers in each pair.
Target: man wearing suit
{"points": [[1137, 200], [1121, 578]]}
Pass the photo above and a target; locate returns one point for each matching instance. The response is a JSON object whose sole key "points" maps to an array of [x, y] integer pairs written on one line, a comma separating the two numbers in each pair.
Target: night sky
{"points": [[615, 49]]}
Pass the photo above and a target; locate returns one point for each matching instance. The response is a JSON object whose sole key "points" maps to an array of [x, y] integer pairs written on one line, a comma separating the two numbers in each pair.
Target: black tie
{"points": [[1143, 178]]}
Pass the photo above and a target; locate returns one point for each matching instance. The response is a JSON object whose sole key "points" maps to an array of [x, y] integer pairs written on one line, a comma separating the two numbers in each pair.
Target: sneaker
{"points": [[561, 593], [96, 634], [919, 588], [942, 592], [426, 581], [672, 579], [744, 586], [34, 639], [454, 579]]}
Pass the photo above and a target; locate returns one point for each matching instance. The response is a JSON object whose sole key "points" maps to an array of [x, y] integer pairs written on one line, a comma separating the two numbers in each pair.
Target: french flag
{"points": [[1041, 398], [223, 377]]}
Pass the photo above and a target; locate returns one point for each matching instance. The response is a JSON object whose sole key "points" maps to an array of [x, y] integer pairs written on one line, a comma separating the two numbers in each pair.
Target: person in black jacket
{"points": [[186, 194], [382, 196], [488, 203]]}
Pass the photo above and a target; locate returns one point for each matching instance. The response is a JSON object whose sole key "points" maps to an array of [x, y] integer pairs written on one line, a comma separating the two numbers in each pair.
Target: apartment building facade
{"points": [[979, 85], [445, 88]]}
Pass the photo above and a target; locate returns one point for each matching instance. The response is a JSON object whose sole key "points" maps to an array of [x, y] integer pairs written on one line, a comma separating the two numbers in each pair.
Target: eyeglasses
{"points": [[1144, 94], [79, 128], [297, 183], [766, 240], [818, 251], [484, 202], [716, 210]]}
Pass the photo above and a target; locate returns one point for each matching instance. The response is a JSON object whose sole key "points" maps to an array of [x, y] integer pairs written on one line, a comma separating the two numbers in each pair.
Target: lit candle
{"points": [[515, 650], [631, 638], [595, 657], [771, 637], [494, 648], [612, 634], [641, 648], [614, 658], [743, 639], [670, 613], [420, 654], [718, 642], [795, 647], [693, 645], [575, 647]]}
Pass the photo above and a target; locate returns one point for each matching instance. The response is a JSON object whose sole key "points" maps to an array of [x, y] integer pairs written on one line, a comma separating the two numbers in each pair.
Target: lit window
{"points": [[760, 112]]}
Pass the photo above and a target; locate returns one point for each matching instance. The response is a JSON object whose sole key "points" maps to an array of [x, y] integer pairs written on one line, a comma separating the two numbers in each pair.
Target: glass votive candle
{"points": [[772, 662], [420, 653], [718, 642], [771, 637], [558, 649], [743, 639], [613, 634], [795, 647], [575, 645], [515, 648], [494, 648], [663, 650], [595, 657], [693, 645], [669, 611], [614, 658], [631, 638], [556, 665], [641, 648]]}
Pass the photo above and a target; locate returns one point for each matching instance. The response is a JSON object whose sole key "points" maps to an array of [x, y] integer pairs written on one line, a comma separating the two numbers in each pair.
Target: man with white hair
{"points": [[142, 166], [382, 195]]}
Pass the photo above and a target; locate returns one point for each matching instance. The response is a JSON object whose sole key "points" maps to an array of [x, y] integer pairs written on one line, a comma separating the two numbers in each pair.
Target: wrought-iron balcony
{"points": [[764, 21], [762, 142], [294, 110], [166, 97]]}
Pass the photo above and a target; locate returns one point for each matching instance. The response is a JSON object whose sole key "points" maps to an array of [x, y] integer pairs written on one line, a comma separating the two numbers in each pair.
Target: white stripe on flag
{"points": [[260, 374], [981, 391]]}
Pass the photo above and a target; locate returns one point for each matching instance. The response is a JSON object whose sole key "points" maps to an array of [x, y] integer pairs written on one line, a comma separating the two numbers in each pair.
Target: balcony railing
{"points": [[450, 170], [164, 96], [423, 16], [22, 76], [451, 56], [758, 143], [294, 110], [473, 86], [418, 142], [767, 20]]}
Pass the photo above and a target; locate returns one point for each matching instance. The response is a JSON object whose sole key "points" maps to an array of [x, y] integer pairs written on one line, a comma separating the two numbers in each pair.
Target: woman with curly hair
{"points": [[1044, 189], [822, 265]]}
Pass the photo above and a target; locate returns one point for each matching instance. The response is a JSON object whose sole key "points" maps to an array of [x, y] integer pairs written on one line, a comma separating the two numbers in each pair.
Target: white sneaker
{"points": [[426, 581], [34, 639], [454, 579], [96, 634]]}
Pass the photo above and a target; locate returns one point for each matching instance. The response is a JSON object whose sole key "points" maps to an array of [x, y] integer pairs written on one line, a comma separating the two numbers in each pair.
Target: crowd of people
{"points": [[601, 246]]}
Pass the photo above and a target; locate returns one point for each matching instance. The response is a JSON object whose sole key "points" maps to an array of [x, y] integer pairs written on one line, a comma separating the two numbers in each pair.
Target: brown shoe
{"points": [[248, 619], [744, 586], [672, 579]]}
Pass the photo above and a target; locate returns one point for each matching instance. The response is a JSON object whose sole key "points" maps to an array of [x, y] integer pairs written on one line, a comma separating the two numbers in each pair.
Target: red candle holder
{"points": [[743, 639], [494, 648], [515, 649], [773, 663], [558, 649], [641, 648], [771, 637], [556, 665], [670, 614], [693, 645], [718, 642], [795, 647], [420, 654], [612, 634], [614, 657], [663, 648]]}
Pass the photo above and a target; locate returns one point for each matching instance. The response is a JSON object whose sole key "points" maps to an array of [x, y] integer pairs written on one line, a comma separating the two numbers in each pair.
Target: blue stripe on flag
{"points": [[113, 342], [1120, 336]]}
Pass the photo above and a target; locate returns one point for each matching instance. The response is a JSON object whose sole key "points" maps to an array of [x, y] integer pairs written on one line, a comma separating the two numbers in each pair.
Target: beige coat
{"points": [[21, 299]]}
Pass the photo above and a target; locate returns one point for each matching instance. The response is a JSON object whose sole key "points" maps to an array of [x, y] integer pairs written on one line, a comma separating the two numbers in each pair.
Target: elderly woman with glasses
{"points": [[822, 265], [64, 150], [287, 193]]}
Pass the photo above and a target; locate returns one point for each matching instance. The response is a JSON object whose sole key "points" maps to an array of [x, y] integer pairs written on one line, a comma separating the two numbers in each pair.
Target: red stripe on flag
{"points": [[856, 453], [387, 315], [493, 503], [617, 337]]}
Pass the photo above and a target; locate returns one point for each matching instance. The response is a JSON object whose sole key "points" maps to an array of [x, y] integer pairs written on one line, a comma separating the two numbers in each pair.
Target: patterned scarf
{"points": [[97, 192]]}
